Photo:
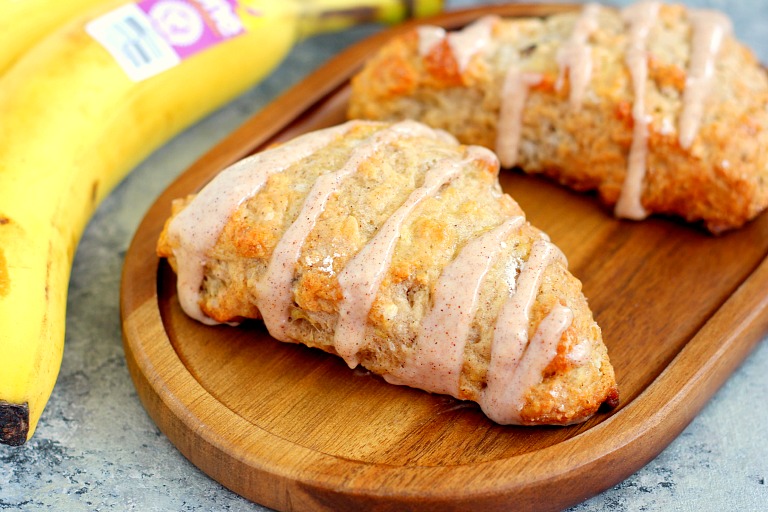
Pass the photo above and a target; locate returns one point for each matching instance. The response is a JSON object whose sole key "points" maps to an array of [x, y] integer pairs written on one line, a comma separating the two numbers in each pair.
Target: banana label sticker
{"points": [[151, 36]]}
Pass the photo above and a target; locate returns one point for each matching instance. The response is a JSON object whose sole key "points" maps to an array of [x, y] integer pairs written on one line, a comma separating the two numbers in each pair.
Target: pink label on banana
{"points": [[151, 36], [191, 26]]}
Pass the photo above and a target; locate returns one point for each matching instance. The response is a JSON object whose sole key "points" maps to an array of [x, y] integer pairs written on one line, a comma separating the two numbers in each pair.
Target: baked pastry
{"points": [[394, 247], [656, 107]]}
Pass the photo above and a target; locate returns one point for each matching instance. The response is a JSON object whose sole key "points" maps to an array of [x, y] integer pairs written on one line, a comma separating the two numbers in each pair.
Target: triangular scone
{"points": [[656, 107], [394, 247]]}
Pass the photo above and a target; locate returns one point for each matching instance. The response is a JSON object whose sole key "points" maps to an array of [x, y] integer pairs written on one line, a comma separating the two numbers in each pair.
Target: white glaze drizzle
{"points": [[514, 94], [361, 278], [575, 55], [464, 43], [581, 353], [500, 400], [539, 353], [429, 37], [274, 292], [195, 230], [438, 353], [471, 40], [641, 17], [709, 29]]}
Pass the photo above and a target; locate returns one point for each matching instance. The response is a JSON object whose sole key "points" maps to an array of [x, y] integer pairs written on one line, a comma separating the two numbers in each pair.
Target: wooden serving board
{"points": [[295, 429]]}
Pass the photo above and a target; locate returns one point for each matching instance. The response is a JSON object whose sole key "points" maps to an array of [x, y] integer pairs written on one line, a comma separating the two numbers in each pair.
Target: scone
{"points": [[394, 247], [656, 107]]}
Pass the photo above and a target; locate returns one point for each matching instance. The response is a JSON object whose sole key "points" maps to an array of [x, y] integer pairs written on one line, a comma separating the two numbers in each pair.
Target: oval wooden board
{"points": [[295, 429]]}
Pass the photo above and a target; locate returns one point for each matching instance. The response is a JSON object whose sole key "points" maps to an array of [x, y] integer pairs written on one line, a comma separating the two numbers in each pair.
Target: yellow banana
{"points": [[24, 22], [72, 125]]}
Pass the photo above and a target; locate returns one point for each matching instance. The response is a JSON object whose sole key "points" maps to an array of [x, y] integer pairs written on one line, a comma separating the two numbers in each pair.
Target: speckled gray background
{"points": [[96, 448]]}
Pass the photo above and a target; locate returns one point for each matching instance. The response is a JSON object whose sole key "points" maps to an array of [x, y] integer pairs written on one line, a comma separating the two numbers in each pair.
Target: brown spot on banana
{"points": [[95, 192], [352, 14], [14, 423]]}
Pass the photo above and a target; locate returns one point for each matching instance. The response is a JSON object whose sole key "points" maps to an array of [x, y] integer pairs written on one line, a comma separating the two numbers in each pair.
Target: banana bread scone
{"points": [[656, 107], [394, 247]]}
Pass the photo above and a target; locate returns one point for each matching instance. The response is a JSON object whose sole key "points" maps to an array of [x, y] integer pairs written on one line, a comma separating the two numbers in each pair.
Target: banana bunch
{"points": [[78, 112]]}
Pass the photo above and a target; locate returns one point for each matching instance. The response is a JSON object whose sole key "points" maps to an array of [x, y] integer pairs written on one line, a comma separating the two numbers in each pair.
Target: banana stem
{"points": [[319, 16]]}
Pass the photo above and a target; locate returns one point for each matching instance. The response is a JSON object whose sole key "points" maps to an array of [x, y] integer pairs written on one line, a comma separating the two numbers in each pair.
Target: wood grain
{"points": [[295, 429]]}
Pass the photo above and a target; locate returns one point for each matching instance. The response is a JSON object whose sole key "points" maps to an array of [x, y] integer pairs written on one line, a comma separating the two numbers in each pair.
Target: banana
{"points": [[23, 23], [72, 125]]}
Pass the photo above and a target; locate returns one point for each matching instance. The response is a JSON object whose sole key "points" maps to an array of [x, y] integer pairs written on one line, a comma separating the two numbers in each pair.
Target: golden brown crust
{"points": [[722, 179], [572, 386]]}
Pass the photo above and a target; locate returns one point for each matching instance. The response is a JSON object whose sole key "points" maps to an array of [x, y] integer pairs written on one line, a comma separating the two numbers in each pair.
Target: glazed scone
{"points": [[394, 247], [656, 107]]}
